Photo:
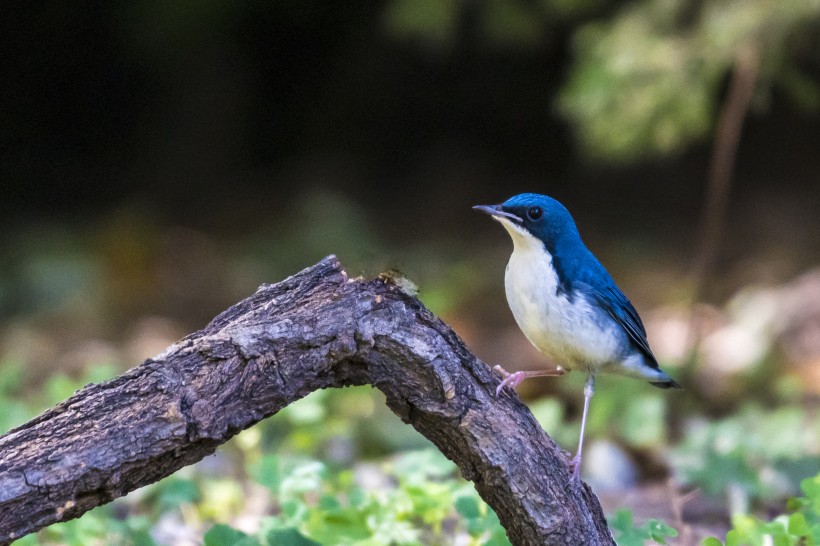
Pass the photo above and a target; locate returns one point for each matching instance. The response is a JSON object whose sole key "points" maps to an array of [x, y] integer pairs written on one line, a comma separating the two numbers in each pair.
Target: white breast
{"points": [[570, 333]]}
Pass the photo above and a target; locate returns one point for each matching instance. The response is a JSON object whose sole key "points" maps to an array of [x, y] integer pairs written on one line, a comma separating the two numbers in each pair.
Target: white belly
{"points": [[570, 333]]}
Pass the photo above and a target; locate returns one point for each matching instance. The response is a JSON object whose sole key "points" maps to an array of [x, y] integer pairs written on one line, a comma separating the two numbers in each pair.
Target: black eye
{"points": [[535, 213]]}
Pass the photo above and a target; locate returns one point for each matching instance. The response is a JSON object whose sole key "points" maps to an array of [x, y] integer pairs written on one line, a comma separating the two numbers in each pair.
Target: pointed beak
{"points": [[495, 210]]}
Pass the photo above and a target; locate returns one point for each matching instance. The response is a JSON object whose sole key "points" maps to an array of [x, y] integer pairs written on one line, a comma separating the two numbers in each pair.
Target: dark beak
{"points": [[495, 210]]}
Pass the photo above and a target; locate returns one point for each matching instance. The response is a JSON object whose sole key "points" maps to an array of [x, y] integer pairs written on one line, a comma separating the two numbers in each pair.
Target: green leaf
{"points": [[267, 472], [337, 526], [498, 538], [357, 498], [225, 535], [329, 503], [711, 541], [136, 530], [468, 506], [811, 488], [294, 510], [734, 538], [432, 501], [659, 530], [305, 477], [175, 491], [627, 534], [622, 520], [798, 525], [289, 537], [418, 466], [395, 532]]}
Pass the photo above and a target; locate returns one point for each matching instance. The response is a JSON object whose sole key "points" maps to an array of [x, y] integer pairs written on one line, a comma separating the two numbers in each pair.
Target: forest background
{"points": [[161, 160]]}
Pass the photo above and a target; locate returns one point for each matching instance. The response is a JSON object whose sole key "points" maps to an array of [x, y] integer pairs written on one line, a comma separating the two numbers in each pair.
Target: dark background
{"points": [[216, 116]]}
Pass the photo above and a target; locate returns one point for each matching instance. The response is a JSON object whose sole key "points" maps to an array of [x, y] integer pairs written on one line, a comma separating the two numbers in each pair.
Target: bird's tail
{"points": [[667, 384]]}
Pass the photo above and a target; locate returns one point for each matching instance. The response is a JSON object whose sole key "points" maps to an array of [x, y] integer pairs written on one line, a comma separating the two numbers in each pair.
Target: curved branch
{"points": [[314, 330]]}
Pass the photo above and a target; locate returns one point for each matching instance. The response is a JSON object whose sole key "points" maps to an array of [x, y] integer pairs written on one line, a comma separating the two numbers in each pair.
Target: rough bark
{"points": [[314, 330]]}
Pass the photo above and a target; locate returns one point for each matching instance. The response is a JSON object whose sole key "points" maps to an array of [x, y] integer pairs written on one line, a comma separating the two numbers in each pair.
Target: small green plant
{"points": [[757, 454], [800, 526], [626, 533], [224, 535], [420, 503]]}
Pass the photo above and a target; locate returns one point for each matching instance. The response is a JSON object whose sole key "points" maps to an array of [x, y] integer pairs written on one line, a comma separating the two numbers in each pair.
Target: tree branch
{"points": [[314, 330]]}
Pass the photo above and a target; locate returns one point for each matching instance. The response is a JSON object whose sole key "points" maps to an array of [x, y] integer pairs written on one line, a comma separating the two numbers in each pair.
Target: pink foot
{"points": [[510, 379], [514, 379]]}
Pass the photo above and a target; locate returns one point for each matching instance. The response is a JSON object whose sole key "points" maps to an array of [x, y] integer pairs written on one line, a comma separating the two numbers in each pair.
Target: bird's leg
{"points": [[589, 390], [515, 379]]}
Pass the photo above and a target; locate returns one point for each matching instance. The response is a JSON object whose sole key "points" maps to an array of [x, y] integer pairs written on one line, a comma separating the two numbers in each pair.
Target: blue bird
{"points": [[567, 304]]}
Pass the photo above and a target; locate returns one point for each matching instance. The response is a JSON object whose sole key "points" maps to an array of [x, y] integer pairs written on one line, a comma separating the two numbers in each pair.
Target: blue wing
{"points": [[583, 272], [602, 288], [620, 308]]}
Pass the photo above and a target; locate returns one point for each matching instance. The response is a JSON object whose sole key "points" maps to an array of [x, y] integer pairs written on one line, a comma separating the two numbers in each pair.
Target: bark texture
{"points": [[314, 330]]}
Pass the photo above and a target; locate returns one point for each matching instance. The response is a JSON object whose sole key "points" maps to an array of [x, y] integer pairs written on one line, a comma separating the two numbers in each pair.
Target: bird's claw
{"points": [[514, 379], [510, 379]]}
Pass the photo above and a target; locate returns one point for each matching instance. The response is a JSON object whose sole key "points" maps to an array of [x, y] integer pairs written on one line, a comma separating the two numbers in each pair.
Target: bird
{"points": [[567, 304]]}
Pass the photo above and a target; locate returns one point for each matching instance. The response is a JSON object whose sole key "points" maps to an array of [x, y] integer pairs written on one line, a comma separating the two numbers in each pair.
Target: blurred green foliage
{"points": [[129, 264], [646, 77], [647, 81], [799, 527], [310, 457], [626, 533], [503, 23], [331, 480], [641, 417], [308, 232], [637, 86], [434, 21], [330, 508], [47, 266], [755, 455], [17, 408], [99, 527]]}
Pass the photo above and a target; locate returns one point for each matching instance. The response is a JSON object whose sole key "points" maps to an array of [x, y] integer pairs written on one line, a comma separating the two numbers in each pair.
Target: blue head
{"points": [[538, 216], [537, 223]]}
